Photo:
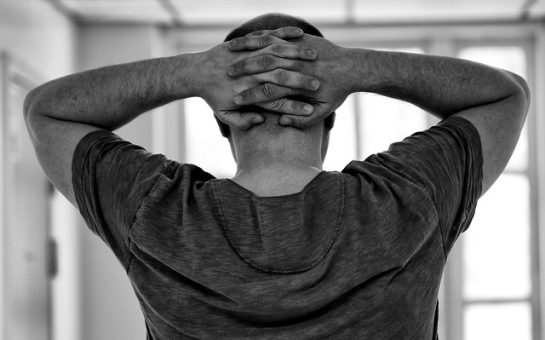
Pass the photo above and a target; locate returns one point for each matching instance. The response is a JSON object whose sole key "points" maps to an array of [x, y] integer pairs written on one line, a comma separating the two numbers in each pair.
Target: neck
{"points": [[277, 166]]}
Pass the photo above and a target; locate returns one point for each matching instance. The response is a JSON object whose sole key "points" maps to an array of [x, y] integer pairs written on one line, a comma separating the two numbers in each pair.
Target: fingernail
{"points": [[257, 120], [238, 99], [230, 70], [233, 43], [307, 108], [315, 84], [285, 121]]}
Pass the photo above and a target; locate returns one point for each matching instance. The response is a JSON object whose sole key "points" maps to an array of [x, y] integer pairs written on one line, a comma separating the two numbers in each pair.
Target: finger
{"points": [[240, 120], [262, 63], [252, 42], [259, 32], [289, 106], [271, 45], [287, 78], [300, 122], [303, 122], [288, 32], [263, 93], [290, 51]]}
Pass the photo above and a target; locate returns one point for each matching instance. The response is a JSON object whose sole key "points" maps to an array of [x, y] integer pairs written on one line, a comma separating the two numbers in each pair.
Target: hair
{"points": [[273, 21]]}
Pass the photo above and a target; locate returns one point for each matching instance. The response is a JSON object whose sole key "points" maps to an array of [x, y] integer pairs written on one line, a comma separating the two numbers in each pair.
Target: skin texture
{"points": [[276, 160], [278, 146], [495, 101], [61, 112], [278, 157]]}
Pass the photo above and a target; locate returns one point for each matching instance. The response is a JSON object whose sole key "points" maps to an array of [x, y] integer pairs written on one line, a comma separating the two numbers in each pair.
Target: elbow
{"points": [[34, 112], [522, 90], [36, 105], [30, 104]]}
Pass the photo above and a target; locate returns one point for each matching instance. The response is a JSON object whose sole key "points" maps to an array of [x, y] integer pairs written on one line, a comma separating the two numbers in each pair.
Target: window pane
{"points": [[511, 58], [496, 249], [206, 147], [498, 322], [385, 121], [342, 139], [519, 158]]}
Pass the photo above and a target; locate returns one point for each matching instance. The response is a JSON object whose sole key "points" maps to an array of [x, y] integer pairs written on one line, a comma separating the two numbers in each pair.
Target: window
{"points": [[368, 123], [497, 294], [205, 146], [490, 287]]}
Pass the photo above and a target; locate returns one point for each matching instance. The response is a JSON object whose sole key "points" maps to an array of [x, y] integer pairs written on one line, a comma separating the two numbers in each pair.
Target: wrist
{"points": [[186, 81], [362, 72], [201, 76]]}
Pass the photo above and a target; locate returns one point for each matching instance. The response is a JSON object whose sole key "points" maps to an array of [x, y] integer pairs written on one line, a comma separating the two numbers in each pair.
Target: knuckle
{"points": [[240, 66], [307, 53], [292, 64], [265, 40], [266, 62], [281, 77], [268, 90], [297, 106], [278, 104], [275, 33], [245, 41], [278, 50], [303, 123], [248, 95], [234, 43]]}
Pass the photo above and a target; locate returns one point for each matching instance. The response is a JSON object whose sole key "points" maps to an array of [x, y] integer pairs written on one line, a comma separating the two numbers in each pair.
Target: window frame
{"points": [[448, 39], [527, 44]]}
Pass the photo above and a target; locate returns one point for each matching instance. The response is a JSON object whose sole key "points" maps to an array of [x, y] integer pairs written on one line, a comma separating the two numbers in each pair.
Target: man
{"points": [[283, 249]]}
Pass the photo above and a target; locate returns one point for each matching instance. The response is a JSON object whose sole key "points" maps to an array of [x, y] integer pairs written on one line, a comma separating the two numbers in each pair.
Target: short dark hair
{"points": [[272, 21]]}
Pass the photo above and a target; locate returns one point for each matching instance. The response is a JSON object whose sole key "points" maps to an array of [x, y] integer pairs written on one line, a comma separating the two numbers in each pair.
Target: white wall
{"points": [[93, 298], [38, 35], [42, 42], [110, 308]]}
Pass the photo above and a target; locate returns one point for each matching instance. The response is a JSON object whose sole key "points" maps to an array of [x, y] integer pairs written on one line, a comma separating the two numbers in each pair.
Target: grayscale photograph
{"points": [[276, 170]]}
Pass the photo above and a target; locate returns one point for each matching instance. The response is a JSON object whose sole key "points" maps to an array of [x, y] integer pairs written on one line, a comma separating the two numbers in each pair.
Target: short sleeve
{"points": [[446, 162], [111, 177]]}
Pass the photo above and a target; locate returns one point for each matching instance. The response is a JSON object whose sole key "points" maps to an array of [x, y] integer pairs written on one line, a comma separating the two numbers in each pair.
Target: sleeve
{"points": [[111, 177], [446, 162]]}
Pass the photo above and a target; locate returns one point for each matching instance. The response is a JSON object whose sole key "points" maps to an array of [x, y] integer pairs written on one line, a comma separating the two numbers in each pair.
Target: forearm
{"points": [[110, 97], [439, 85]]}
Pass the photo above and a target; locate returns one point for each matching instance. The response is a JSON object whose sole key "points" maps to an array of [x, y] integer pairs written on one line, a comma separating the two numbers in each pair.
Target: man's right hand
{"points": [[219, 90], [332, 68]]}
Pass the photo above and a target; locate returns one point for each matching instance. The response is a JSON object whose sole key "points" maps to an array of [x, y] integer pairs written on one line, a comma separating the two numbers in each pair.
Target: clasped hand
{"points": [[285, 71]]}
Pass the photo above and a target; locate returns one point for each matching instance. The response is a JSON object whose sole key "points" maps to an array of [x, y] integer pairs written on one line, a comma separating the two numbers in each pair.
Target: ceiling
{"points": [[227, 12]]}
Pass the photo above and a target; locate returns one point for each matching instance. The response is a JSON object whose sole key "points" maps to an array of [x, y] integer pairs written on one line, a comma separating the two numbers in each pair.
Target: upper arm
{"points": [[55, 142], [499, 125], [105, 177], [443, 163]]}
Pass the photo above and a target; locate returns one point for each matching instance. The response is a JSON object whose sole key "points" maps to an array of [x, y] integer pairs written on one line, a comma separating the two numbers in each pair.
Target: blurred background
{"points": [[60, 282]]}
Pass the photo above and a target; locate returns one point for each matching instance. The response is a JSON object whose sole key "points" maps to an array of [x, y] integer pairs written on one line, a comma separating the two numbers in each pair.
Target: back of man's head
{"points": [[272, 21]]}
